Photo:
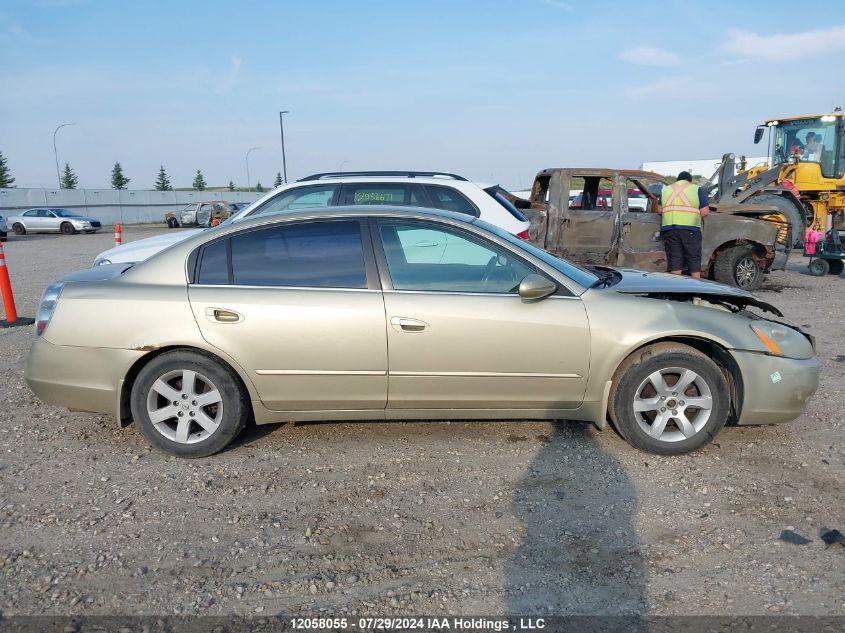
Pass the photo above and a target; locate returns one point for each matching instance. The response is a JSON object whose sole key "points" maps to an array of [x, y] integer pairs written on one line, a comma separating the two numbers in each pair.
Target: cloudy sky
{"points": [[492, 89]]}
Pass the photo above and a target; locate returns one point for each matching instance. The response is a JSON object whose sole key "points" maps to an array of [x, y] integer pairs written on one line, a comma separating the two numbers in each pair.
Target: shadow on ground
{"points": [[578, 554]]}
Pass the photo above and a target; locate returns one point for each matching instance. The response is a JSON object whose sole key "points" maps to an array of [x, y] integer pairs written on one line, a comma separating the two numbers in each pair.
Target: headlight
{"points": [[48, 304], [782, 340], [101, 261]]}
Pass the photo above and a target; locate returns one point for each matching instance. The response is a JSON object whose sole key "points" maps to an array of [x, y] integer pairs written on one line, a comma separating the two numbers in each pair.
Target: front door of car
{"points": [[299, 306], [640, 244], [460, 337], [583, 219], [189, 215], [47, 220], [31, 220]]}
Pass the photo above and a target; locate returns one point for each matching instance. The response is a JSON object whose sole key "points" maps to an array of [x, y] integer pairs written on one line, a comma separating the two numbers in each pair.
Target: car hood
{"points": [[139, 250], [638, 282]]}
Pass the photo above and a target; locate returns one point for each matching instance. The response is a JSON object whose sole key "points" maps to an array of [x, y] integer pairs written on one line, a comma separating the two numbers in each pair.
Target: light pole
{"points": [[56, 152], [251, 149], [342, 163], [282, 130]]}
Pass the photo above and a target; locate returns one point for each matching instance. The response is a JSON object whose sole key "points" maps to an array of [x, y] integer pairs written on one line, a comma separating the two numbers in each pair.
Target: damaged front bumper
{"points": [[774, 389]]}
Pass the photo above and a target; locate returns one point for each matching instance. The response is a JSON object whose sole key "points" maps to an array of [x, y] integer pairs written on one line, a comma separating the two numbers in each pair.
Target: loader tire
{"points": [[795, 215]]}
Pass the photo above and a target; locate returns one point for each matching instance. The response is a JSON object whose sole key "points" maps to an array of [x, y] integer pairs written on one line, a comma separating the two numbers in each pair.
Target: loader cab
{"points": [[817, 139]]}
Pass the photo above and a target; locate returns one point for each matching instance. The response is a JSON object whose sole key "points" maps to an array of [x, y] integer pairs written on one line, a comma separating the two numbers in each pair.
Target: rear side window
{"points": [[376, 193], [450, 199], [315, 254], [214, 266]]}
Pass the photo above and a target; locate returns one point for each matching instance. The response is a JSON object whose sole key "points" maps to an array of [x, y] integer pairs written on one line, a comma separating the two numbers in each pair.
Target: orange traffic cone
{"points": [[118, 235], [12, 319]]}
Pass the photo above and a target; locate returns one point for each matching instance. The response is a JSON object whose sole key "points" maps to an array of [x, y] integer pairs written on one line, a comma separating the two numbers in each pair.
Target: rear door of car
{"points": [[640, 243], [300, 307]]}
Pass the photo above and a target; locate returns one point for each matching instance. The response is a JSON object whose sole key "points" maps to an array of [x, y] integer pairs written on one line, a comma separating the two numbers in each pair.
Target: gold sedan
{"points": [[367, 313]]}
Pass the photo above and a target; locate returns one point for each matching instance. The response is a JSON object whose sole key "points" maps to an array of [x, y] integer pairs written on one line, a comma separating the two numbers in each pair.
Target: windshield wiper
{"points": [[603, 280]]}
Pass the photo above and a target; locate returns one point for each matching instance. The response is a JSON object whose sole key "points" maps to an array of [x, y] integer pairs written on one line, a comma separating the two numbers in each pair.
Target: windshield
{"points": [[811, 140], [579, 275], [64, 213]]}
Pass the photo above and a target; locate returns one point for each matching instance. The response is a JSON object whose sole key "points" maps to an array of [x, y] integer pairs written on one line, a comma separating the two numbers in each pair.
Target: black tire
{"points": [[3, 236], [735, 266], [172, 223], [635, 371], [794, 214], [19, 228], [835, 266], [229, 422], [67, 228], [818, 267]]}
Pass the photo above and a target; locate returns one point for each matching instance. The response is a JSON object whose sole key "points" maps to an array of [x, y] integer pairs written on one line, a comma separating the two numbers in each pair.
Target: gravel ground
{"points": [[416, 518]]}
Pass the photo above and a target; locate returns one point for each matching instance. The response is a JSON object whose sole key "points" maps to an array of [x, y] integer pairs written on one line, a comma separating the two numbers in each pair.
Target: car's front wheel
{"points": [[67, 228], [669, 399], [188, 404]]}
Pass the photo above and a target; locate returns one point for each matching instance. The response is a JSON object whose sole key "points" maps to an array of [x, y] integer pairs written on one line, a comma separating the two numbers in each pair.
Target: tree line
{"points": [[69, 180]]}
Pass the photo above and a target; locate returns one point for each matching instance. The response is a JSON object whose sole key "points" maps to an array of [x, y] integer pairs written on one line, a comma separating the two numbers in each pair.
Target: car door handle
{"points": [[221, 315], [404, 324]]}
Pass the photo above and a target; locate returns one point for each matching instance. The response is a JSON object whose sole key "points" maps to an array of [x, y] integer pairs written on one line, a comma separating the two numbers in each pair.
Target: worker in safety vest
{"points": [[682, 206]]}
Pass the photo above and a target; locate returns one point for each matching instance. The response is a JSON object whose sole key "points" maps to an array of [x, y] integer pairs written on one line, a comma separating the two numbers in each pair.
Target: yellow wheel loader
{"points": [[804, 178]]}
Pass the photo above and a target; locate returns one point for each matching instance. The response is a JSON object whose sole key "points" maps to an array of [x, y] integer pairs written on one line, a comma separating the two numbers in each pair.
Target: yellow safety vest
{"points": [[680, 204]]}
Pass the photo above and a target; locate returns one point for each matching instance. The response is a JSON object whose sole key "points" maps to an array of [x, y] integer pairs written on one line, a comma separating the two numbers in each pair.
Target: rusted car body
{"points": [[628, 235], [201, 213]]}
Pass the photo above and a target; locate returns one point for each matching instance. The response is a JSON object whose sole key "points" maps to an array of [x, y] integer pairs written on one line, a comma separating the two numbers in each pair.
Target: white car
{"points": [[3, 228], [436, 190]]}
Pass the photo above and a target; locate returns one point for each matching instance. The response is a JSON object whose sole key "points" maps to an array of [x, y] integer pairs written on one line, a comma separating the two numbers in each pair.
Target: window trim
{"points": [[370, 268], [387, 282]]}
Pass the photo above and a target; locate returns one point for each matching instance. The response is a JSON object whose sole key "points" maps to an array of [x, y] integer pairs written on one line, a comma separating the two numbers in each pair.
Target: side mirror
{"points": [[536, 287], [758, 134]]}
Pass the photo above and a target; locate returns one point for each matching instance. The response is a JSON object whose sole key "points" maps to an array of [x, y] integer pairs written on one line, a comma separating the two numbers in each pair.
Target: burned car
{"points": [[200, 214], [611, 220]]}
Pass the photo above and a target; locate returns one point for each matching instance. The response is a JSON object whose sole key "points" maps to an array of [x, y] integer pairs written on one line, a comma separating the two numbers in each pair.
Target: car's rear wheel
{"points": [[736, 266], [67, 228], [188, 404], [669, 399], [19, 228]]}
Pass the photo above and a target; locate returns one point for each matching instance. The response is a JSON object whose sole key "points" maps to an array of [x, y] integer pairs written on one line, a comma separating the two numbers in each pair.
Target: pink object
{"points": [[811, 238]]}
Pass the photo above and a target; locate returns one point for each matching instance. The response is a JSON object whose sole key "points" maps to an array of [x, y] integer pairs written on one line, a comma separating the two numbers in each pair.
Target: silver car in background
{"points": [[52, 220]]}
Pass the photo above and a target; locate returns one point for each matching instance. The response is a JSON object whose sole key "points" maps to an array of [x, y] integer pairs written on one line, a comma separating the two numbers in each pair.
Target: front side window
{"points": [[431, 257], [313, 254], [298, 198]]}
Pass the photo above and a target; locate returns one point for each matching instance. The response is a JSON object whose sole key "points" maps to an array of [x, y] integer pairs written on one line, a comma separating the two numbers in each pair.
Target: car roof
{"points": [[351, 211]]}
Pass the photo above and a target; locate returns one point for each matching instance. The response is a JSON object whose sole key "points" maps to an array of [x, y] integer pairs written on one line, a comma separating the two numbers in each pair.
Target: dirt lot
{"points": [[416, 518]]}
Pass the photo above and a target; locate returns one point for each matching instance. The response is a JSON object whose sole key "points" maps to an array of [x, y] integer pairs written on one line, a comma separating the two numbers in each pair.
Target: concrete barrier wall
{"points": [[111, 206]]}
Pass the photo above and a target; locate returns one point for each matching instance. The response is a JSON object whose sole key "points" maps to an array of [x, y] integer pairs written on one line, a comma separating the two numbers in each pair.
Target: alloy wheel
{"points": [[185, 406], [673, 404]]}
